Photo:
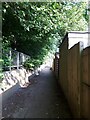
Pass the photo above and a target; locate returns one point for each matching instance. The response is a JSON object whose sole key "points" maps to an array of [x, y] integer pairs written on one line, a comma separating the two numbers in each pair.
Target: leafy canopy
{"points": [[35, 28]]}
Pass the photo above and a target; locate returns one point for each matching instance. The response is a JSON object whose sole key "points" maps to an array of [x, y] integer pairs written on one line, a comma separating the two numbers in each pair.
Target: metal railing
{"points": [[16, 59]]}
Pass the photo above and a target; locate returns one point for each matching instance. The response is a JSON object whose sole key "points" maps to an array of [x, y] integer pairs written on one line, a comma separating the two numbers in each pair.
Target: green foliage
{"points": [[31, 64], [86, 14], [5, 52], [35, 28], [6, 60], [28, 65]]}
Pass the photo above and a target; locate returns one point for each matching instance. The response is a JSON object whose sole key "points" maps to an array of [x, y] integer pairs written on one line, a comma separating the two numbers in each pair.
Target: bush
{"points": [[28, 65], [31, 64]]}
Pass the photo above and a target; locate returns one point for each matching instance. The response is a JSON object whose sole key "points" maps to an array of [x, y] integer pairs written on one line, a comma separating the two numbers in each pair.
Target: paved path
{"points": [[42, 99]]}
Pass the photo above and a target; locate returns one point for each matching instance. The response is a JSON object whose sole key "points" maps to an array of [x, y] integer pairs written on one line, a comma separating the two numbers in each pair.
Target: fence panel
{"points": [[74, 84], [56, 65], [85, 98], [63, 67], [74, 75]]}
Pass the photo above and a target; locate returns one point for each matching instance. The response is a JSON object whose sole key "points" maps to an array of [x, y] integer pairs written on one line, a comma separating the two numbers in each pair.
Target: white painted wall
{"points": [[75, 37]]}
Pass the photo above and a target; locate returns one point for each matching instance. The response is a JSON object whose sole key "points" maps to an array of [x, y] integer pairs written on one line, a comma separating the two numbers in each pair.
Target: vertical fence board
{"points": [[85, 102], [63, 67], [70, 77], [85, 98], [85, 65], [56, 65], [74, 79]]}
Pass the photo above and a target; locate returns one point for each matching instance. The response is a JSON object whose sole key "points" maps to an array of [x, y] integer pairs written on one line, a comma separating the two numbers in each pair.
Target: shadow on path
{"points": [[42, 99]]}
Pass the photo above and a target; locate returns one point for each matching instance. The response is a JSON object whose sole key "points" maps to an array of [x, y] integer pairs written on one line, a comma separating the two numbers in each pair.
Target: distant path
{"points": [[42, 99]]}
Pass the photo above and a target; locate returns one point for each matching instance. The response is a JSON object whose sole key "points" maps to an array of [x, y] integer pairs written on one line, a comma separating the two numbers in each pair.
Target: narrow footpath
{"points": [[42, 99]]}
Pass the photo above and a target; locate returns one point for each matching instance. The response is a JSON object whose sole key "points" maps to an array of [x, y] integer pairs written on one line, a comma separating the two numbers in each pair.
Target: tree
{"points": [[36, 28]]}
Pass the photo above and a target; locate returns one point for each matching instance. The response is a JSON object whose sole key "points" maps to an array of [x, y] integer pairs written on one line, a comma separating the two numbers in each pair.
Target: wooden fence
{"points": [[74, 80], [74, 77], [56, 65], [85, 86], [63, 66]]}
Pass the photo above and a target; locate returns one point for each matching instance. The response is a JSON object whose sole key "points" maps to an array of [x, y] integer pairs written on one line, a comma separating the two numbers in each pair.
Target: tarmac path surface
{"points": [[42, 99]]}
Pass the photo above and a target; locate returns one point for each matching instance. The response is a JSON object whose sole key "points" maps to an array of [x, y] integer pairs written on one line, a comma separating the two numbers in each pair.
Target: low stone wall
{"points": [[15, 76]]}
